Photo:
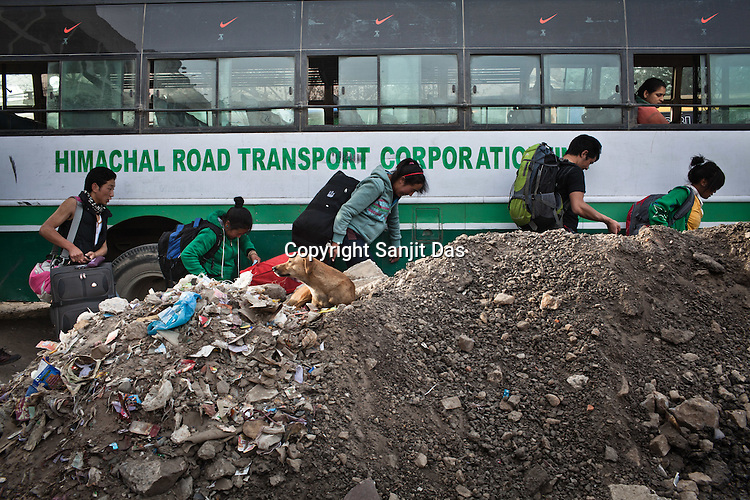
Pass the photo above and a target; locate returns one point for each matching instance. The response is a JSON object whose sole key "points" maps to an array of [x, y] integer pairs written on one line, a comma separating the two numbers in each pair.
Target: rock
{"points": [[465, 343], [180, 435], [363, 491], [371, 363], [632, 492], [463, 491], [451, 403], [659, 446], [260, 393], [700, 478], [221, 467], [577, 381], [697, 413], [294, 463], [421, 460], [553, 400], [624, 387], [549, 301], [504, 299], [709, 262], [676, 336], [222, 387], [276, 479], [523, 326], [152, 476], [224, 484], [115, 305], [183, 490], [536, 480], [610, 454], [739, 417], [207, 451], [495, 376]]}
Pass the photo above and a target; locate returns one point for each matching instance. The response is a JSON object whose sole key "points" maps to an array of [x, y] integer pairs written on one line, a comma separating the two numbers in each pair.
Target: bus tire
{"points": [[136, 271]]}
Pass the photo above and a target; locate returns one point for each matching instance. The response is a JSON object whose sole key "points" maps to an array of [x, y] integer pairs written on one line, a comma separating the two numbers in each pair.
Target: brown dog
{"points": [[328, 286]]}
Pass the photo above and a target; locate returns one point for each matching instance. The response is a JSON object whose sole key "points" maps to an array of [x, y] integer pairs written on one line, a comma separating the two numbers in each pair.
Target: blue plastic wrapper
{"points": [[179, 314]]}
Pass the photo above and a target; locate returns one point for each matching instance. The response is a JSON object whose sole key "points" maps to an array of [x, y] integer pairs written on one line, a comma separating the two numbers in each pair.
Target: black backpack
{"points": [[172, 243], [314, 226]]}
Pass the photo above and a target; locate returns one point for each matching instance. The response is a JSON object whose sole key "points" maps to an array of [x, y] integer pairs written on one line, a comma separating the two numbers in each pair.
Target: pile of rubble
{"points": [[555, 365]]}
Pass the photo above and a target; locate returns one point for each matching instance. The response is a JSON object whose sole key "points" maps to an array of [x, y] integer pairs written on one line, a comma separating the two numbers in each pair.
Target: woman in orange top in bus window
{"points": [[651, 92]]}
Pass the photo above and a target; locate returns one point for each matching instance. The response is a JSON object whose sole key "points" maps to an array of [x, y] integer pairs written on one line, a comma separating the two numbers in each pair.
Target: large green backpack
{"points": [[533, 200]]}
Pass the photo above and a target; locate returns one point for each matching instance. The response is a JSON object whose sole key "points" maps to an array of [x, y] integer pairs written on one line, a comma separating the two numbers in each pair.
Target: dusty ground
{"points": [[451, 380]]}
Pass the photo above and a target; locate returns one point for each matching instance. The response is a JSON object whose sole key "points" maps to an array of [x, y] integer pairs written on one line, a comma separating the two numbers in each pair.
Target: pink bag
{"points": [[39, 280]]}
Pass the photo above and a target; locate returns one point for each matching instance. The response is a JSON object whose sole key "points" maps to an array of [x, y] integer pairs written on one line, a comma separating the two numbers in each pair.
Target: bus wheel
{"points": [[136, 271]]}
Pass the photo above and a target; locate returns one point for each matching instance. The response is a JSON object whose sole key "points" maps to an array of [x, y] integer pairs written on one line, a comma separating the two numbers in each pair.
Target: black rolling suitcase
{"points": [[76, 289]]}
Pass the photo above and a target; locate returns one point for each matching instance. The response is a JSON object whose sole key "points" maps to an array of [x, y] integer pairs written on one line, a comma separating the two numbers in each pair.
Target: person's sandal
{"points": [[6, 357]]}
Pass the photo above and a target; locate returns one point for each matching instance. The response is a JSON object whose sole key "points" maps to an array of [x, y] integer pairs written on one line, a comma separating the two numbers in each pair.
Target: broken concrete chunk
{"points": [[152, 476]]}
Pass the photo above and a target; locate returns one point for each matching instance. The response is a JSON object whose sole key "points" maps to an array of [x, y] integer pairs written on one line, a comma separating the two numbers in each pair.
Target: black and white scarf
{"points": [[96, 207]]}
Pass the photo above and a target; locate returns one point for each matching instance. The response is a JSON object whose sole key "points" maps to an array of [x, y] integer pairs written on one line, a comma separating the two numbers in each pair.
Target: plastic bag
{"points": [[176, 315]]}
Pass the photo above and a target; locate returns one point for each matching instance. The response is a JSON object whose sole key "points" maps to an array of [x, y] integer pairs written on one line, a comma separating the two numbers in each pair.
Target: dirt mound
{"points": [[550, 366]]}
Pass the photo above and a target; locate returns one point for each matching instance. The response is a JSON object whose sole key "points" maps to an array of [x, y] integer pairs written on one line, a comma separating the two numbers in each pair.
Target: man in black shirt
{"points": [[583, 151]]}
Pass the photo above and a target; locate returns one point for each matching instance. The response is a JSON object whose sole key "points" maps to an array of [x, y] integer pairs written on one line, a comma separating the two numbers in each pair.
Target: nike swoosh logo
{"points": [[704, 20], [224, 25], [381, 21], [542, 20], [68, 30]]}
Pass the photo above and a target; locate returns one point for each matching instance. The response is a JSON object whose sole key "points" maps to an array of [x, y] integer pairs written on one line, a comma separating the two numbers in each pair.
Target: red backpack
{"points": [[263, 273]]}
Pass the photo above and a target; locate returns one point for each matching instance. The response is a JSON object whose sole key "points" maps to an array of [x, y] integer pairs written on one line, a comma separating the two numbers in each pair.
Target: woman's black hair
{"points": [[238, 216], [99, 176], [412, 173], [700, 169], [651, 85]]}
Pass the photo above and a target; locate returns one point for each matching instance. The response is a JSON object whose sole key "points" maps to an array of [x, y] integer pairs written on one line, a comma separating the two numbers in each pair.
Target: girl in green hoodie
{"points": [[372, 207], [235, 251], [704, 179]]}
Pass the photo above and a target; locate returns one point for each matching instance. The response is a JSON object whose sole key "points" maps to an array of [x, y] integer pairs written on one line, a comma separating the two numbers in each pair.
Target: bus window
{"points": [[256, 82], [183, 91], [358, 86], [578, 88], [501, 87], [390, 90], [91, 94], [429, 80], [24, 95], [730, 88], [684, 102], [322, 91]]}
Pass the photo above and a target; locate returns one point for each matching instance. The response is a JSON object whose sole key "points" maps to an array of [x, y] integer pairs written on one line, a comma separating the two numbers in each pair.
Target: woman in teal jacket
{"points": [[372, 207], [235, 251], [704, 179]]}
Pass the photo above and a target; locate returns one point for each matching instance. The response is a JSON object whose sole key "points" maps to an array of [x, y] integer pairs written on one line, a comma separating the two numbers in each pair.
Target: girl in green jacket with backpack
{"points": [[705, 178], [235, 251]]}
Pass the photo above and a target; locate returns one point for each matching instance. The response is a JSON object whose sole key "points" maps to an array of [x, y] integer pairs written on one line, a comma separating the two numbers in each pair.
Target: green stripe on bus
{"points": [[446, 213]]}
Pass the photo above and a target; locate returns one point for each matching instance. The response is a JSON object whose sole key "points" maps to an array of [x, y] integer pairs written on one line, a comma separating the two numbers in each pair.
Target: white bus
{"points": [[193, 103]]}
